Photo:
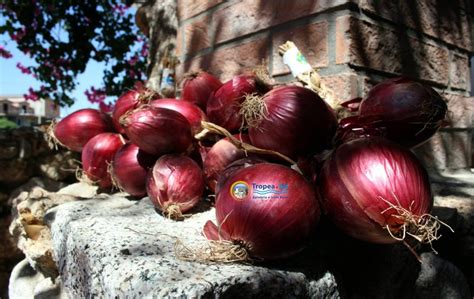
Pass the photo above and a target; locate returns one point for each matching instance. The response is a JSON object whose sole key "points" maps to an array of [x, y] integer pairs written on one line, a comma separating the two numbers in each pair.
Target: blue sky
{"points": [[14, 82]]}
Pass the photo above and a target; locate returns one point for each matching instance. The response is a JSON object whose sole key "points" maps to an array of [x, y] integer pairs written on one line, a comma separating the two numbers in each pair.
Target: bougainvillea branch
{"points": [[63, 36]]}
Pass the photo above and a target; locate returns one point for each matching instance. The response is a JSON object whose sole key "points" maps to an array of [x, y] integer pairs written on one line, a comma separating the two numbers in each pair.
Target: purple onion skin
{"points": [[130, 168], [175, 179], [361, 172], [269, 228], [198, 87], [409, 111], [127, 101], [221, 154], [158, 131], [191, 112], [96, 156], [76, 129], [298, 123], [224, 105]]}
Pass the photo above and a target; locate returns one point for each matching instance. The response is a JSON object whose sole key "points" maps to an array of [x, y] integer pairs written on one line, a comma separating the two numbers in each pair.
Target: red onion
{"points": [[233, 167], [76, 129], [129, 169], [372, 189], [219, 156], [224, 105], [129, 101], [198, 87], [157, 131], [191, 112], [291, 120], [175, 185], [96, 156], [267, 209], [409, 112]]}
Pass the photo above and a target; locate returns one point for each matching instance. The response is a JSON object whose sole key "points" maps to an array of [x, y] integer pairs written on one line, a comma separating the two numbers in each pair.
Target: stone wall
{"points": [[353, 43], [26, 161]]}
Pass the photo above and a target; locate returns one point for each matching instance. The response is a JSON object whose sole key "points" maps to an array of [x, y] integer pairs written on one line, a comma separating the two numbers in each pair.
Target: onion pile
{"points": [[76, 129], [270, 158], [408, 112], [175, 185]]}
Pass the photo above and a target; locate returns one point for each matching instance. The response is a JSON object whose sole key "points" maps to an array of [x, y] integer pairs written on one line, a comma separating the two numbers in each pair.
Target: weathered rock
{"points": [[59, 166], [32, 236], [25, 282], [115, 247], [440, 279]]}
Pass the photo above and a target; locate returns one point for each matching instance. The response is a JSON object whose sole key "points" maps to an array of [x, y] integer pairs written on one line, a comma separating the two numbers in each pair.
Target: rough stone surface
{"points": [[440, 277], [25, 282], [116, 247], [364, 44], [245, 17], [24, 153], [223, 62], [448, 21], [28, 229], [123, 248]]}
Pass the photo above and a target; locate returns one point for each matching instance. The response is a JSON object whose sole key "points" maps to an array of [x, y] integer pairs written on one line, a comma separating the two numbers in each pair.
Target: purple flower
{"points": [[5, 53], [120, 9], [31, 95], [95, 95], [23, 68]]}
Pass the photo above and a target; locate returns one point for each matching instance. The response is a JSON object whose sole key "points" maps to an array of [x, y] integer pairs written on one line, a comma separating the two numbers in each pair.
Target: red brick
{"points": [[459, 71], [312, 40], [196, 36], [190, 8], [343, 85], [248, 16], [179, 42], [446, 20], [460, 111], [227, 62], [371, 46], [342, 39]]}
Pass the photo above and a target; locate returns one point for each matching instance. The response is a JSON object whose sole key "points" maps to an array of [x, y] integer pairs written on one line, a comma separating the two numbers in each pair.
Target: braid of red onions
{"points": [[377, 191], [291, 120], [408, 111]]}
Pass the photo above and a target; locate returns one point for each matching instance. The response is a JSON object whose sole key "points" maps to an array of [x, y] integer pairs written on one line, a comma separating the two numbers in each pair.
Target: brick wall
{"points": [[354, 44]]}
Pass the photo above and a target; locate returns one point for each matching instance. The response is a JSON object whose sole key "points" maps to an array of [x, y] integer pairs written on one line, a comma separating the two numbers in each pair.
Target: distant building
{"points": [[28, 113]]}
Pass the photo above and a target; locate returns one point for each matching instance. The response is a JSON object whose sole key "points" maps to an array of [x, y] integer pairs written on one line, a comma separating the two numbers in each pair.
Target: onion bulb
{"points": [[76, 129], [175, 185], [267, 211], [198, 87], [375, 190], [96, 156]]}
